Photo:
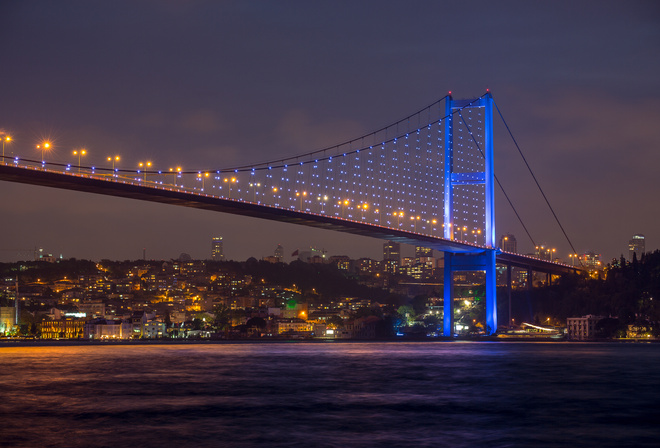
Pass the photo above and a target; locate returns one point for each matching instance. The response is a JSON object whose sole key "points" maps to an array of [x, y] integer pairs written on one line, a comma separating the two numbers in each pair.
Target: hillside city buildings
{"points": [[183, 297]]}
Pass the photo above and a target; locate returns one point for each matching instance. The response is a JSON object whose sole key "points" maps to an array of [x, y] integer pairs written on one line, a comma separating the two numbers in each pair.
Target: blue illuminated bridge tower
{"points": [[484, 261]]}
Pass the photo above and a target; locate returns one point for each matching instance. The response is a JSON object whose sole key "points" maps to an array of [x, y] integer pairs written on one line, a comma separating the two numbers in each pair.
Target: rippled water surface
{"points": [[331, 395]]}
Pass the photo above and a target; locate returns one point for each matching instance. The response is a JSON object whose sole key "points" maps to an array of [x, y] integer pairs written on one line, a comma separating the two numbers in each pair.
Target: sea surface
{"points": [[445, 394]]}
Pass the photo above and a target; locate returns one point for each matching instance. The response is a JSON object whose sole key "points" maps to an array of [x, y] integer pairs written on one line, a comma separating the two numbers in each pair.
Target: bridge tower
{"points": [[484, 261]]}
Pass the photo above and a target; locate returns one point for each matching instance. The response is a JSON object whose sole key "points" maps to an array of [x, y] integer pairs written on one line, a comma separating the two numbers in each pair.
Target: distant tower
{"points": [[391, 256], [279, 253], [508, 243], [636, 246], [216, 249]]}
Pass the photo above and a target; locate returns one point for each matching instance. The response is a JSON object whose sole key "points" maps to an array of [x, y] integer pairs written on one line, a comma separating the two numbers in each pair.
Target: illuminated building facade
{"points": [[343, 262], [636, 246], [391, 256], [65, 328], [108, 329], [591, 260], [216, 249], [366, 266], [423, 254], [582, 328], [7, 319]]}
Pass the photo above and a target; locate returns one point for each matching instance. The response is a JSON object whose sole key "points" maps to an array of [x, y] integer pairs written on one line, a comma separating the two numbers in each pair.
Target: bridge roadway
{"points": [[167, 194]]}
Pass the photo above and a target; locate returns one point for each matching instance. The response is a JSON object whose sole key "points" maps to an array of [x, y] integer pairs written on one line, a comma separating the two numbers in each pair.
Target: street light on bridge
{"points": [[202, 177], [362, 207], [175, 174], [230, 181], [44, 146], [301, 196], [113, 159], [398, 215], [433, 222], [254, 186], [414, 219], [146, 166], [343, 204], [5, 139], [323, 199], [79, 153]]}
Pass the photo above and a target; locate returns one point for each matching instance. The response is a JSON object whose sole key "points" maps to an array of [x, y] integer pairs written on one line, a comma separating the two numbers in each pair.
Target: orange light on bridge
{"points": [[44, 146], [79, 153], [5, 139]]}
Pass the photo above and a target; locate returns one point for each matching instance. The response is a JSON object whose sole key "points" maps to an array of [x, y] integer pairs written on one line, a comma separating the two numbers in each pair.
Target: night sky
{"points": [[207, 84]]}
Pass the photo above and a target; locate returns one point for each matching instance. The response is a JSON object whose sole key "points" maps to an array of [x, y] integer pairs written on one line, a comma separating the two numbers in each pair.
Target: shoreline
{"points": [[80, 343]]}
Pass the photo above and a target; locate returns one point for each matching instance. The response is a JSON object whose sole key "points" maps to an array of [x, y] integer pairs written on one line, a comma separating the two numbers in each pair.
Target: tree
{"points": [[419, 303], [222, 319], [335, 321], [407, 314]]}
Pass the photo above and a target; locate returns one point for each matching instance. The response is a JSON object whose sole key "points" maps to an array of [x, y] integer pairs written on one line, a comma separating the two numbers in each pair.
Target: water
{"points": [[331, 395]]}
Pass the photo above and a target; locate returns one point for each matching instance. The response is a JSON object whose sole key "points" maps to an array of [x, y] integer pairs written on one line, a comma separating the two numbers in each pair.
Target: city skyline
{"points": [[562, 93]]}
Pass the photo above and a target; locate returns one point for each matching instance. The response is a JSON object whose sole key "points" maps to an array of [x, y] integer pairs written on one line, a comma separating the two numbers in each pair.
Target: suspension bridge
{"points": [[426, 180]]}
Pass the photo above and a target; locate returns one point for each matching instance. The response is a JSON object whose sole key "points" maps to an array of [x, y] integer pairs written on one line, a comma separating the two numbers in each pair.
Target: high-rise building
{"points": [[636, 246], [279, 253], [391, 256], [591, 260], [508, 243], [216, 249], [423, 254]]}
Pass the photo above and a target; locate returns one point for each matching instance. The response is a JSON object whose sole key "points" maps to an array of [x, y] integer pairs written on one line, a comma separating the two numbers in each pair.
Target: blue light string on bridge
{"points": [[394, 175]]}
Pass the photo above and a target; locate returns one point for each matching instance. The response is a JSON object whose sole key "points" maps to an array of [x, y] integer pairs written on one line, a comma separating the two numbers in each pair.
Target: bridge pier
{"points": [[484, 261], [448, 297], [508, 291]]}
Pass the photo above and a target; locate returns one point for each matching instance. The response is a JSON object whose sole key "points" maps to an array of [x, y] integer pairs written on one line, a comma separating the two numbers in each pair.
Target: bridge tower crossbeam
{"points": [[485, 260]]}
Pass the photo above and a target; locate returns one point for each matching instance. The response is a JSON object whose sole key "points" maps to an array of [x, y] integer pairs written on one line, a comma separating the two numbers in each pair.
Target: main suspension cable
{"points": [[498, 181], [536, 181]]}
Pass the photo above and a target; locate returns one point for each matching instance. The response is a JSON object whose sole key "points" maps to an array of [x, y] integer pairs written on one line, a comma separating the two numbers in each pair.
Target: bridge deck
{"points": [[180, 197]]}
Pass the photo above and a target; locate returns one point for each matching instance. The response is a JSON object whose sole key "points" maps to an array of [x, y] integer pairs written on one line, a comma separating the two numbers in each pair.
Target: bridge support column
{"points": [[491, 293], [453, 176], [484, 261], [448, 299], [508, 292]]}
